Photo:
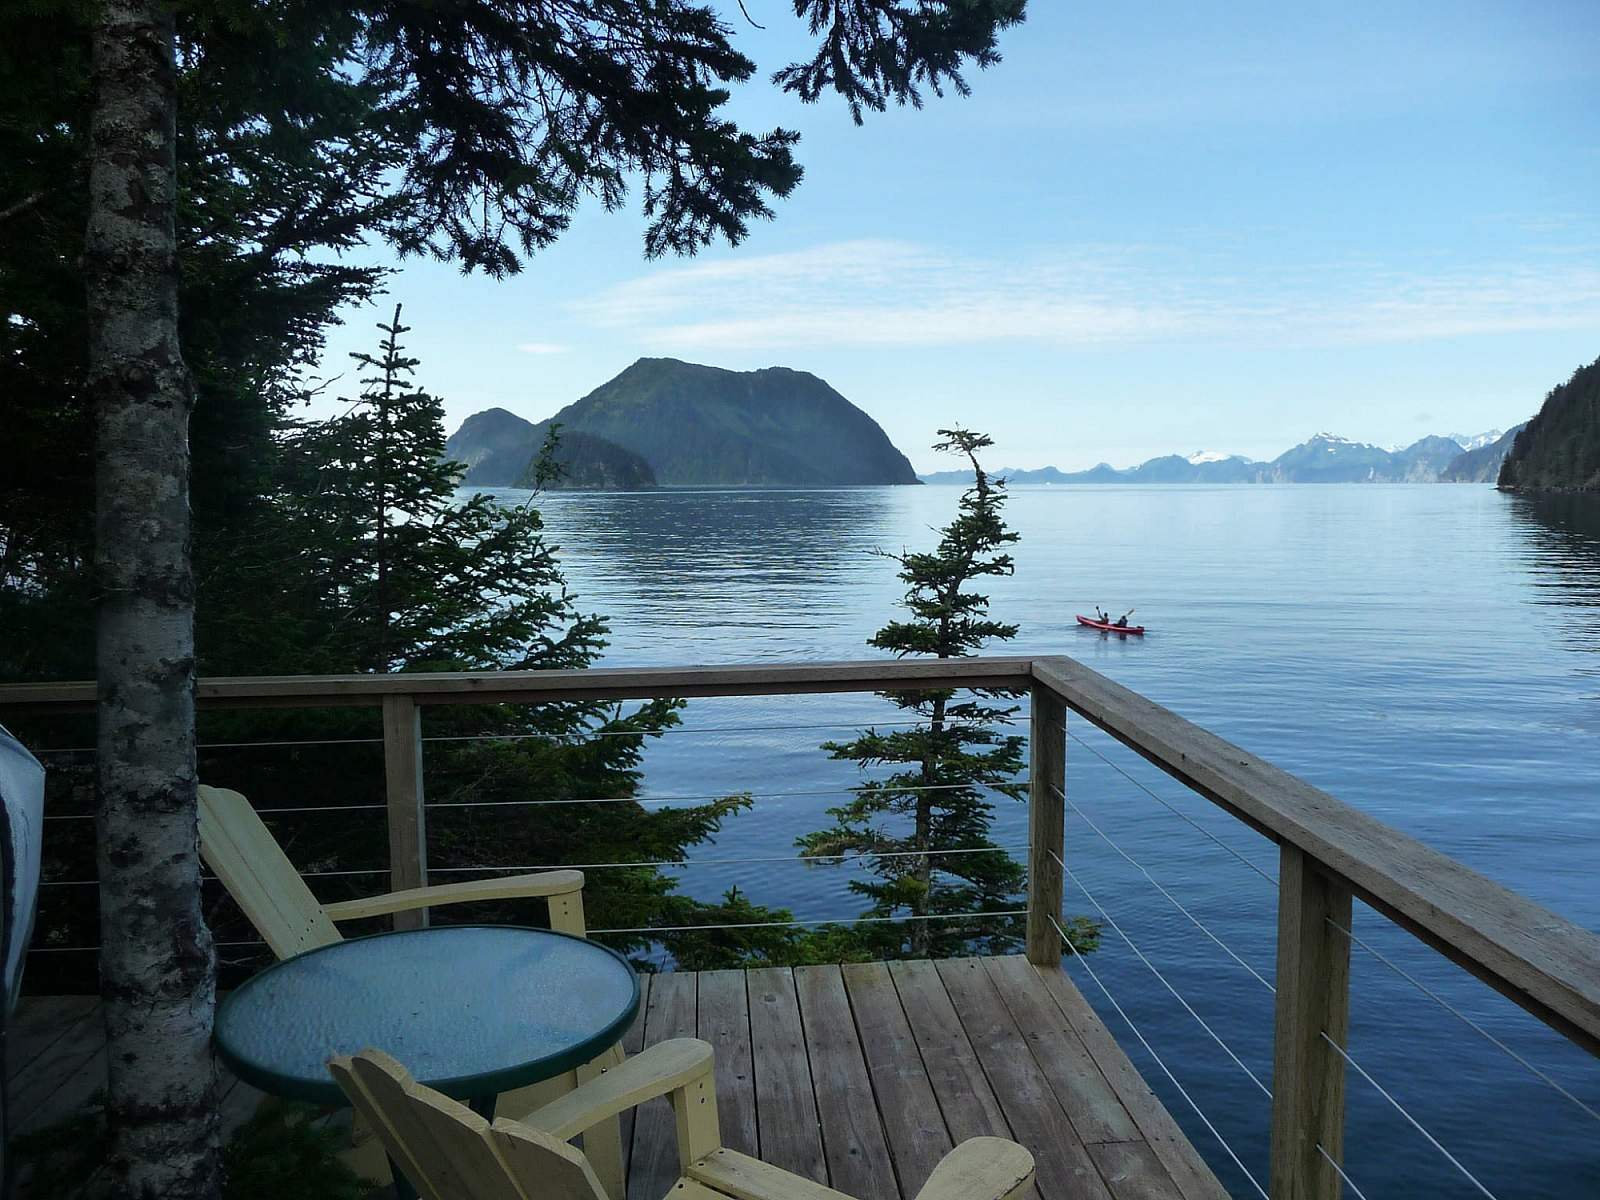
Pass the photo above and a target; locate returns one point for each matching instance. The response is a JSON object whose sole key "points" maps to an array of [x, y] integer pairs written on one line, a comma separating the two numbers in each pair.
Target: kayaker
{"points": [[1101, 615], [1122, 621]]}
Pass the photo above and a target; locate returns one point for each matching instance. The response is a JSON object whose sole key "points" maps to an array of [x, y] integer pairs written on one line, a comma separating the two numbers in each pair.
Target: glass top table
{"points": [[471, 1010]]}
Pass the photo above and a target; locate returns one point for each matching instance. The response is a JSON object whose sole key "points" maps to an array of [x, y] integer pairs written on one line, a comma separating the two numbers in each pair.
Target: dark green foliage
{"points": [[469, 131], [875, 51], [582, 462], [698, 425], [1559, 449], [936, 799], [500, 449], [280, 1152], [403, 575]]}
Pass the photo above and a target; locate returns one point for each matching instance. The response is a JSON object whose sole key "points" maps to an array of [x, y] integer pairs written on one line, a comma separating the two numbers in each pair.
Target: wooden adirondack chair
{"points": [[237, 845], [448, 1152]]}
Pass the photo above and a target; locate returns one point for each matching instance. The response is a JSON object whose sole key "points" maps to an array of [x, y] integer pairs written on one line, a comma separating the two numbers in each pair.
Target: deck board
{"points": [[853, 1140], [959, 1083], [1090, 1102], [1036, 1117], [860, 1077], [725, 1022], [653, 1167], [1189, 1171], [912, 1123], [786, 1102]]}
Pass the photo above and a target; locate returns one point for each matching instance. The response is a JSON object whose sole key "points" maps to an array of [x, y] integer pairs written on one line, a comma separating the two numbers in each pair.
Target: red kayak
{"points": [[1108, 626]]}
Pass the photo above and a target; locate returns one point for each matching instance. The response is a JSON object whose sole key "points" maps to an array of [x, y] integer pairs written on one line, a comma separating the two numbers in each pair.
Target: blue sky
{"points": [[1152, 228]]}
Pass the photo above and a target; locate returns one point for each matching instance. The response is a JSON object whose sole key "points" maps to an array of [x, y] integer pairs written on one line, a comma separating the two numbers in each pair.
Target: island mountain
{"points": [[1324, 458], [500, 449], [696, 425], [1559, 449]]}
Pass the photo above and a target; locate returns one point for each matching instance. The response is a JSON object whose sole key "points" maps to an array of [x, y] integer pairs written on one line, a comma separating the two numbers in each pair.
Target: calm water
{"points": [[1428, 654]]}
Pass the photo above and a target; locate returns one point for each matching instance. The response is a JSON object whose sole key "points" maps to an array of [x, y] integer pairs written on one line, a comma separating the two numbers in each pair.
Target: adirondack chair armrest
{"points": [[544, 883], [980, 1168], [658, 1070]]}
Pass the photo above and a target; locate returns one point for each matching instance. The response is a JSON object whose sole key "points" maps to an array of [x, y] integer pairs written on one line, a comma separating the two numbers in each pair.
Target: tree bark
{"points": [[156, 966]]}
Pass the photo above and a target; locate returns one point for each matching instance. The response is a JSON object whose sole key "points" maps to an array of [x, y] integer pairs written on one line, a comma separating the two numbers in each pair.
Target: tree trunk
{"points": [[156, 968]]}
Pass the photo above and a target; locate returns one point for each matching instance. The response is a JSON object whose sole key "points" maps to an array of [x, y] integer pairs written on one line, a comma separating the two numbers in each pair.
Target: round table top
{"points": [[472, 1010]]}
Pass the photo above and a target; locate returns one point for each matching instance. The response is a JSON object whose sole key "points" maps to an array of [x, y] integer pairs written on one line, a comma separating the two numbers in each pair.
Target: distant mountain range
{"points": [[1324, 458], [1481, 463], [680, 424]]}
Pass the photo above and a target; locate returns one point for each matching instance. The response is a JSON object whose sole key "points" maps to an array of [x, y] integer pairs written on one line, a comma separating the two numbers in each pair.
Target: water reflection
{"points": [[740, 573], [1561, 537]]}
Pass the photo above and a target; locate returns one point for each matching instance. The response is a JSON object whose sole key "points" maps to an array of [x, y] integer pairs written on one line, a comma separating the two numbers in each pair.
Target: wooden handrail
{"points": [[1540, 960], [1545, 963], [598, 683]]}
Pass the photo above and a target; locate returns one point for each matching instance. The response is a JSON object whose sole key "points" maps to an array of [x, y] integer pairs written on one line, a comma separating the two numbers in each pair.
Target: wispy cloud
{"points": [[896, 294], [541, 348]]}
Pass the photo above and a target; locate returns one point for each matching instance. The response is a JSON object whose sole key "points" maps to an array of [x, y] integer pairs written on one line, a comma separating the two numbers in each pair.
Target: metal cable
{"points": [[96, 948], [1110, 920], [1174, 810], [1083, 960], [1334, 1163], [1004, 912], [1415, 1124], [1178, 904], [1447, 1006], [691, 862], [516, 737], [599, 733], [838, 791]]}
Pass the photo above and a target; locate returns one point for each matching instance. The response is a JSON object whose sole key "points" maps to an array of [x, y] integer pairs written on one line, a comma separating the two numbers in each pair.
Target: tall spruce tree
{"points": [[479, 129], [380, 565], [946, 767]]}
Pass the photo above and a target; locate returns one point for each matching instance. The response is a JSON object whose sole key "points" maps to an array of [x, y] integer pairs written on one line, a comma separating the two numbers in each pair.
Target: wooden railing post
{"points": [[1313, 999], [408, 832], [1047, 783]]}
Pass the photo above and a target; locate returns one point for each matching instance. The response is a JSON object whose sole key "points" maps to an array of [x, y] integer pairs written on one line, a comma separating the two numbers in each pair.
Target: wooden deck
{"points": [[860, 1077]]}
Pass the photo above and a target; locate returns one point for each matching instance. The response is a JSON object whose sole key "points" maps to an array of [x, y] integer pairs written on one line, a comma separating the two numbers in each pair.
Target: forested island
{"points": [[678, 424], [1559, 449]]}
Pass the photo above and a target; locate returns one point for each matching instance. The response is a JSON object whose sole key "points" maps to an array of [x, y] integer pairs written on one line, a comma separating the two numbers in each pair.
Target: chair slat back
{"points": [[237, 845], [374, 1108], [543, 1166], [444, 1148]]}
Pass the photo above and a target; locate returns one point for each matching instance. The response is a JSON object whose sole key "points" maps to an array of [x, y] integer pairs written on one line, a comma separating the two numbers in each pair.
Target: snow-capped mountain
{"points": [[1323, 458], [1477, 440]]}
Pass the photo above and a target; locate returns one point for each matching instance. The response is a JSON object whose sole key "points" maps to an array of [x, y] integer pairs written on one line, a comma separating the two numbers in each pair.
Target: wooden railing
{"points": [[1329, 852]]}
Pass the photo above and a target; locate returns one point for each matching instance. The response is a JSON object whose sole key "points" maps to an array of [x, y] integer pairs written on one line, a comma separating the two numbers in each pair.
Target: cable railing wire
{"points": [[600, 866], [517, 737], [1178, 904], [1154, 970], [1159, 1061], [1448, 1007], [705, 798], [1334, 1163], [1004, 912], [1177, 812], [1415, 1124]]}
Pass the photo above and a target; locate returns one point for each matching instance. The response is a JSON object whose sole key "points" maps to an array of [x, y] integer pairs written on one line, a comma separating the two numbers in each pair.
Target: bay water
{"points": [[1427, 653]]}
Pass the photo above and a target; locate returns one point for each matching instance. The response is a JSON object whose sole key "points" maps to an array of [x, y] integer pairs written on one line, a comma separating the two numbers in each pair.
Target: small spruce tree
{"points": [[949, 763], [378, 563]]}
